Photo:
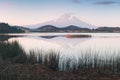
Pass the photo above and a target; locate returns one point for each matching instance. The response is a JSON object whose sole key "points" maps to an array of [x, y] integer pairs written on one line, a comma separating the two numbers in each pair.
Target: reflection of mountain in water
{"points": [[63, 41], [53, 43]]}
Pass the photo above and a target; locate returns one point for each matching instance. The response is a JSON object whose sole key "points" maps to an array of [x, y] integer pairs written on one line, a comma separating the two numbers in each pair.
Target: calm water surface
{"points": [[104, 43]]}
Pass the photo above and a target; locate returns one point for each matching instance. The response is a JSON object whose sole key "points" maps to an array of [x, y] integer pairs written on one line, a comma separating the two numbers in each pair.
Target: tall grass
{"points": [[10, 50], [14, 53], [53, 60]]}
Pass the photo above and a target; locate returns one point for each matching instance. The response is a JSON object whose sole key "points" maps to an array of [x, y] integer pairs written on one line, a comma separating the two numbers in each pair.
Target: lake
{"points": [[102, 43]]}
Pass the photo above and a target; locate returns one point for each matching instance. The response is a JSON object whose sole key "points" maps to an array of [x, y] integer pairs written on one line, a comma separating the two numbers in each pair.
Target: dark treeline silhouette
{"points": [[6, 28], [72, 28], [108, 29]]}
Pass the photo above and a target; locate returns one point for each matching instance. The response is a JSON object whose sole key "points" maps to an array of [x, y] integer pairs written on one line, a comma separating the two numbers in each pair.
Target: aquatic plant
{"points": [[14, 53]]}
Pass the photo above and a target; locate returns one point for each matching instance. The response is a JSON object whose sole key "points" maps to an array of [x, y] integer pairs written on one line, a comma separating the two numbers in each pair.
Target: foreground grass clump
{"points": [[10, 51], [16, 64], [13, 52]]}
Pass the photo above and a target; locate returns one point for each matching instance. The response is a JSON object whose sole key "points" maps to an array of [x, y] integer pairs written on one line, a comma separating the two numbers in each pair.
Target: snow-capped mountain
{"points": [[63, 21]]}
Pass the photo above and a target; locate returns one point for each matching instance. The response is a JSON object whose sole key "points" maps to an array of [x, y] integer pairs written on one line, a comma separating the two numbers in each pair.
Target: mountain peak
{"points": [[67, 17], [66, 20]]}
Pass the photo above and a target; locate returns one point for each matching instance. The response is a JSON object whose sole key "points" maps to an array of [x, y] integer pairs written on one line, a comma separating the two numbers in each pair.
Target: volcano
{"points": [[65, 20]]}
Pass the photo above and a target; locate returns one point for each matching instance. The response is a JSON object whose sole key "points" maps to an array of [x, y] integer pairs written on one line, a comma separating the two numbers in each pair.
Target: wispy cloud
{"points": [[75, 1], [105, 2]]}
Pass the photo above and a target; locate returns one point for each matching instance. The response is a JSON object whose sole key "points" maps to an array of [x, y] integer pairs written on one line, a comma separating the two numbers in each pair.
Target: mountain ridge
{"points": [[64, 20], [70, 28], [6, 28]]}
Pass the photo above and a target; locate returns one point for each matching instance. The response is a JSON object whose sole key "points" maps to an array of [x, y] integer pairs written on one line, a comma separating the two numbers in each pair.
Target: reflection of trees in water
{"points": [[67, 36], [6, 37], [48, 37]]}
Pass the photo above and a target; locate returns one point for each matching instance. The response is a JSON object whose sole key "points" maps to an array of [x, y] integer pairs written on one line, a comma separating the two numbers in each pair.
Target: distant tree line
{"points": [[72, 28], [6, 28]]}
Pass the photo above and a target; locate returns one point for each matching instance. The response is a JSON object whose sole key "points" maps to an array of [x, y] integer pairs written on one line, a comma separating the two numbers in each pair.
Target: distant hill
{"points": [[6, 28], [71, 28], [108, 29], [48, 28]]}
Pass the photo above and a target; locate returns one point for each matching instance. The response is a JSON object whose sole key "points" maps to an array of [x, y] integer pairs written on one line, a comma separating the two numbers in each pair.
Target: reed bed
{"points": [[13, 53]]}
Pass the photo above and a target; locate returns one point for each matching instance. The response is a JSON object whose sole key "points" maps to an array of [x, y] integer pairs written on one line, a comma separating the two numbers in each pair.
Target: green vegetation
{"points": [[16, 64], [5, 28], [10, 50]]}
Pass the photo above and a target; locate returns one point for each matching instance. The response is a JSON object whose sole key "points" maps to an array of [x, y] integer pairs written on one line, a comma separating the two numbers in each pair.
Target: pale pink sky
{"points": [[27, 12]]}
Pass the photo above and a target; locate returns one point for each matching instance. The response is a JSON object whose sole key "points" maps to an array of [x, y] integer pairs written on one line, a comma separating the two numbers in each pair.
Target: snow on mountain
{"points": [[63, 21]]}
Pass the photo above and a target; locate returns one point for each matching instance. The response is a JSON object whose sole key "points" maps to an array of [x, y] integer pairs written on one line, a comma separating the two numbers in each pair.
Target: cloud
{"points": [[105, 2], [75, 1]]}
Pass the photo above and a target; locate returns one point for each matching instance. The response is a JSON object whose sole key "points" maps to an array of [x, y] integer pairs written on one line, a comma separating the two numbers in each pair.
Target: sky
{"points": [[27, 12]]}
